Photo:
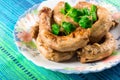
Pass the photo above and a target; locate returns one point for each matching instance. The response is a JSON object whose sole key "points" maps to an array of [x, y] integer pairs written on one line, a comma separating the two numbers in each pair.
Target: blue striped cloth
{"points": [[14, 66]]}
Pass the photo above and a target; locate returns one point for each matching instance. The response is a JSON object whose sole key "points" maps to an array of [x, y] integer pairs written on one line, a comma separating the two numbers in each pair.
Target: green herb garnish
{"points": [[85, 22], [94, 12], [68, 27], [76, 19], [73, 13], [63, 11], [86, 11], [55, 29], [67, 7], [93, 8], [84, 17]]}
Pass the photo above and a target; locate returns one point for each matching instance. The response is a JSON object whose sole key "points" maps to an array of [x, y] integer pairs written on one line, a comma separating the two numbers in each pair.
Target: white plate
{"points": [[29, 50]]}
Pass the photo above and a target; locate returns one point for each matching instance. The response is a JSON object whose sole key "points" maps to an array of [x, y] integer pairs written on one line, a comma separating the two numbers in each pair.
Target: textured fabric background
{"points": [[14, 66]]}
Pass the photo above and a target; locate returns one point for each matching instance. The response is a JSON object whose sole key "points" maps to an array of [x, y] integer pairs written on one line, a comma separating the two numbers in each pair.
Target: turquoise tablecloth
{"points": [[14, 66]]}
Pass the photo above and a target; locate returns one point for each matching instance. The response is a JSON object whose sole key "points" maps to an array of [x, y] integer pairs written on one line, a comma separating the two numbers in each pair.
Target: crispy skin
{"points": [[51, 54], [98, 51], [102, 25], [77, 39]]}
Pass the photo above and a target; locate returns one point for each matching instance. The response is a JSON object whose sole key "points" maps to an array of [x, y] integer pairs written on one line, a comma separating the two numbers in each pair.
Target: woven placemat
{"points": [[14, 66]]}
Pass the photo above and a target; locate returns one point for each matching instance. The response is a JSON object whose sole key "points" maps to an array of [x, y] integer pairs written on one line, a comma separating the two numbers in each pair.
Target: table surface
{"points": [[14, 66]]}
